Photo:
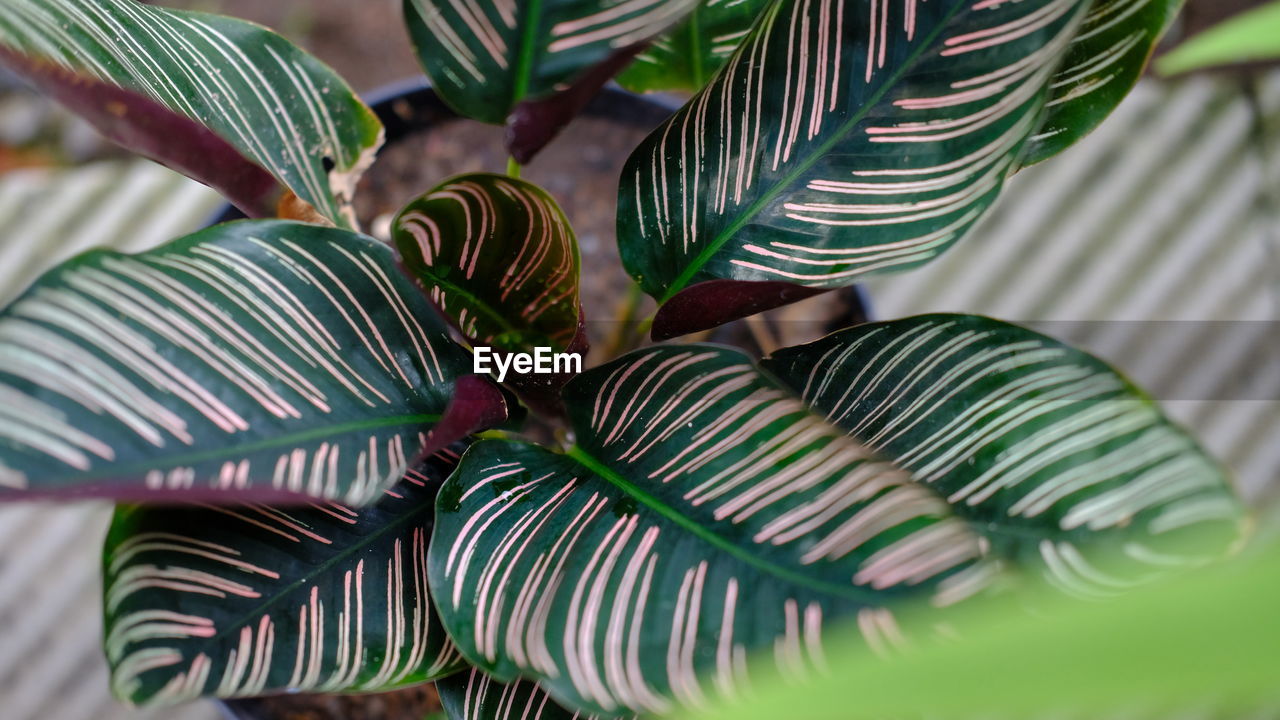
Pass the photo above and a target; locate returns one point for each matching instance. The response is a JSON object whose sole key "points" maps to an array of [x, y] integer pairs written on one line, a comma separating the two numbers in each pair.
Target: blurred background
{"points": [[1155, 244]]}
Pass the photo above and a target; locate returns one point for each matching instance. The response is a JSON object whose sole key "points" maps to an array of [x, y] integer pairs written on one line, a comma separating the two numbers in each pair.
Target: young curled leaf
{"points": [[705, 515], [278, 106], [489, 58], [259, 360], [249, 600], [1048, 452], [497, 256]]}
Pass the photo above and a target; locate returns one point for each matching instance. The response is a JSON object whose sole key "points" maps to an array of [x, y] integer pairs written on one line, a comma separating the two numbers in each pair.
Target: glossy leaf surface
{"points": [[705, 514], [261, 360], [250, 600], [1045, 450], [280, 107], [1104, 61]]}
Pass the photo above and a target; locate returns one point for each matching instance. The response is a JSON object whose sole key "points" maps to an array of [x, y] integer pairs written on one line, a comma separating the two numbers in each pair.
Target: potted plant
{"points": [[323, 441]]}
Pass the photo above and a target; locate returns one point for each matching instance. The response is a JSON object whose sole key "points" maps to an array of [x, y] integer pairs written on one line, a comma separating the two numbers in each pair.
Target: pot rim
{"points": [[613, 102]]}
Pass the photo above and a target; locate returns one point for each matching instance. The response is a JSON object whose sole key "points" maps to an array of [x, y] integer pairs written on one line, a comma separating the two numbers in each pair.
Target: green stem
{"points": [[695, 51], [630, 333], [528, 44], [513, 168]]}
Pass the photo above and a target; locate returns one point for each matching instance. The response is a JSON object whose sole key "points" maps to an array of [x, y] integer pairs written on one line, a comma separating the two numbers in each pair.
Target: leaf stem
{"points": [[630, 331], [513, 168]]}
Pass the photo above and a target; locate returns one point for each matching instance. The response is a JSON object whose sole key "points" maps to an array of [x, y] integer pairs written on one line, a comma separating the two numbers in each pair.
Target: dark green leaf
{"points": [[1103, 63], [497, 255], [705, 514], [844, 138], [688, 56], [1048, 452], [280, 107], [710, 511], [259, 359], [487, 57], [250, 600]]}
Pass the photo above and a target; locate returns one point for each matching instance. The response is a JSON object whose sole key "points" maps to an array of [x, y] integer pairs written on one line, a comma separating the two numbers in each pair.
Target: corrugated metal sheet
{"points": [[51, 664], [1153, 244]]}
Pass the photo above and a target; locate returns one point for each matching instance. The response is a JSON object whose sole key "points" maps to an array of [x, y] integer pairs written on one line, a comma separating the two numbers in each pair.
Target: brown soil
{"points": [[414, 703]]}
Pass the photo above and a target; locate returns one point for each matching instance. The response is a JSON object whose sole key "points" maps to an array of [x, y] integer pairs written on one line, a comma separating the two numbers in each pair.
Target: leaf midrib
{"points": [[319, 571], [816, 154], [243, 449], [582, 457], [475, 300]]}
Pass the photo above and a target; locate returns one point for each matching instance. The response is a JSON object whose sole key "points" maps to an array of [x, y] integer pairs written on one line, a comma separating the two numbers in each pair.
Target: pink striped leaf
{"points": [[714, 508], [472, 695], [528, 62], [248, 600], [498, 258], [845, 138], [706, 514], [497, 255], [280, 108], [260, 360], [1051, 454]]}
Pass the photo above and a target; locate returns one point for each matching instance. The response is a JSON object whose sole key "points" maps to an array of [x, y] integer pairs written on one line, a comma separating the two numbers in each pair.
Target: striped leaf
{"points": [[1102, 65], [255, 360], [1048, 452], [845, 137], [688, 56], [472, 695], [497, 256], [248, 600], [279, 107], [490, 59], [152, 130], [705, 514]]}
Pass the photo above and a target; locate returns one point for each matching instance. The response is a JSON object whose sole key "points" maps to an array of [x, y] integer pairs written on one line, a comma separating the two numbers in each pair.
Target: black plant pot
{"points": [[410, 107]]}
